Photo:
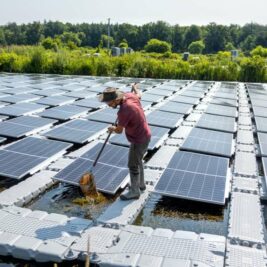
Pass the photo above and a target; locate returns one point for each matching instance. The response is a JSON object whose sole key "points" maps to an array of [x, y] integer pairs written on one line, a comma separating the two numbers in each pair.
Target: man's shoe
{"points": [[143, 188], [130, 195]]}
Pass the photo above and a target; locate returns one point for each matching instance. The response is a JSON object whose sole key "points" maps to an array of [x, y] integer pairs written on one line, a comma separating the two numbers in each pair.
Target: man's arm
{"points": [[136, 91]]}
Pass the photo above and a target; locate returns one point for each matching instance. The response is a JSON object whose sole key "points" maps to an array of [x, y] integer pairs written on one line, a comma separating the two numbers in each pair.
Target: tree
{"points": [[193, 33], [261, 39], [50, 43], [34, 33], [196, 47], [229, 46], [123, 44], [104, 41], [259, 51], [216, 38], [70, 38], [157, 46], [177, 38], [249, 43], [2, 37]]}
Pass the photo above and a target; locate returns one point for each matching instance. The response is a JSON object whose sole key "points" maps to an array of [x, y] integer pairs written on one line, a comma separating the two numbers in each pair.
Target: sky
{"points": [[138, 12]]}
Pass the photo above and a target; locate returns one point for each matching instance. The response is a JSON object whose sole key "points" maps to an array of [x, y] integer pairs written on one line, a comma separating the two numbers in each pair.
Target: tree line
{"points": [[207, 39]]}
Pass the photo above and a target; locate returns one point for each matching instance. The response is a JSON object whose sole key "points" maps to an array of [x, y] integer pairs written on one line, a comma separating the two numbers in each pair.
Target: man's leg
{"points": [[136, 169], [134, 191]]}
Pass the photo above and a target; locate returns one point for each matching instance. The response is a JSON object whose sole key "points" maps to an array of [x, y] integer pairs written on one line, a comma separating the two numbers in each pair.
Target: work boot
{"points": [[131, 194], [143, 188]]}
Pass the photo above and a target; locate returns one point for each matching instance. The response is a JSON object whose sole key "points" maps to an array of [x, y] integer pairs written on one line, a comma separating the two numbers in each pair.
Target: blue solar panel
{"points": [[185, 99], [90, 103], [19, 98], [219, 123], [64, 112], [110, 171], [29, 155], [151, 98], [260, 111], [21, 109], [221, 110], [261, 124], [224, 102], [210, 142], [196, 177], [106, 115], [55, 100], [263, 143], [158, 135], [164, 119], [176, 107], [24, 125], [77, 131]]}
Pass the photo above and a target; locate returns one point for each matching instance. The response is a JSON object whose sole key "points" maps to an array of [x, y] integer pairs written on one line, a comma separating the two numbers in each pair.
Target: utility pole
{"points": [[108, 31]]}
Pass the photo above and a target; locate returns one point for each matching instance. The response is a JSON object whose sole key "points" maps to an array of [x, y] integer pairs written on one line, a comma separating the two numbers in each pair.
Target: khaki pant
{"points": [[135, 165]]}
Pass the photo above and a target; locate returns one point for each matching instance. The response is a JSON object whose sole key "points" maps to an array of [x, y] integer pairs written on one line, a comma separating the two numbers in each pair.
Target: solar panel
{"points": [[185, 99], [106, 115], [192, 93], [226, 95], [19, 98], [261, 124], [259, 103], [196, 177], [28, 156], [49, 92], [164, 119], [55, 100], [221, 110], [151, 98], [64, 112], [90, 103], [21, 109], [161, 92], [210, 142], [260, 111], [219, 123], [158, 135], [73, 87], [146, 104], [77, 131], [224, 102], [19, 90], [46, 86], [175, 107], [263, 143], [264, 163], [81, 94], [24, 125], [110, 171]]}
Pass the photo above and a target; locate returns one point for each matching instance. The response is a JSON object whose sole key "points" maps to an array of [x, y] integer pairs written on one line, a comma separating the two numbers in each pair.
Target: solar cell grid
{"points": [[175, 107], [196, 177], [219, 123], [164, 119], [211, 142]]}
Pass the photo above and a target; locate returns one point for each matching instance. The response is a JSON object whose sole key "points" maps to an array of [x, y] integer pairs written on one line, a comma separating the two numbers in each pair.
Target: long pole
{"points": [[108, 31]]}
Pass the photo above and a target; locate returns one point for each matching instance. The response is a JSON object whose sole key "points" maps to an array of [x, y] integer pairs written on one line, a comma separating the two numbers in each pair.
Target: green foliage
{"points": [[157, 46], [36, 59], [196, 47], [49, 43], [104, 41], [259, 51], [229, 46], [123, 44]]}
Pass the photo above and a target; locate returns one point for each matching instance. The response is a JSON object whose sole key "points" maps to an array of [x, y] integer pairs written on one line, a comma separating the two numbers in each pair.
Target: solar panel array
{"points": [[196, 177], [210, 142], [110, 172], [29, 155], [77, 131], [24, 125]]}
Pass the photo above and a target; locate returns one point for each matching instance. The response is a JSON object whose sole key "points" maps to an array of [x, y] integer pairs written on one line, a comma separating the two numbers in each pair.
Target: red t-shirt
{"points": [[131, 116]]}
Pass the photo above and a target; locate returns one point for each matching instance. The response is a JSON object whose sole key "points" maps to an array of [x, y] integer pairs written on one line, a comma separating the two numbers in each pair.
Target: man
{"points": [[131, 118]]}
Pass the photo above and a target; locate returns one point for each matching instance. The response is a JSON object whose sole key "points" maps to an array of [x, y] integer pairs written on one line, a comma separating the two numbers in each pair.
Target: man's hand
{"points": [[115, 129], [112, 129], [135, 90]]}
